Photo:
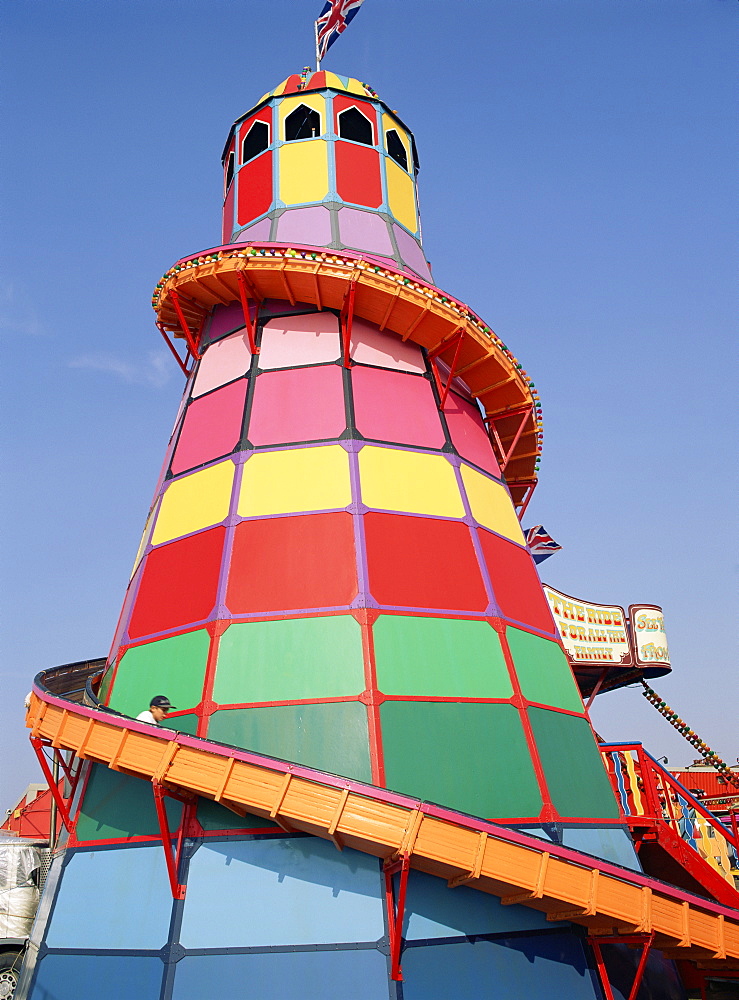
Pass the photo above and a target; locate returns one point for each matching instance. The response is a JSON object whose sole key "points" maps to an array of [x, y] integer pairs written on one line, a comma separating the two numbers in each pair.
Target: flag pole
{"points": [[318, 58]]}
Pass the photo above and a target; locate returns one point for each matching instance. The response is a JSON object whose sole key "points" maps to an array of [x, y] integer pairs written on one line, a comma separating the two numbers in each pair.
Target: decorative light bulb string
{"points": [[703, 749]]}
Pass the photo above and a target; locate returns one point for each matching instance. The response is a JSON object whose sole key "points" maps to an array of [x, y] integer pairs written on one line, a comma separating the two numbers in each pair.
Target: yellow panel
{"points": [[303, 171], [353, 86], [284, 482], [195, 502], [491, 505], [409, 481], [401, 195], [289, 104], [388, 123]]}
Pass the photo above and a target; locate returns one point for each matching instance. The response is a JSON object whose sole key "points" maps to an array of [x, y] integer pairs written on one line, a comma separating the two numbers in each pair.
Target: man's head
{"points": [[159, 706]]}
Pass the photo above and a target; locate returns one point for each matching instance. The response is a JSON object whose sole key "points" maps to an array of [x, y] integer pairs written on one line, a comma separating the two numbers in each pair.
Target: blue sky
{"points": [[577, 190]]}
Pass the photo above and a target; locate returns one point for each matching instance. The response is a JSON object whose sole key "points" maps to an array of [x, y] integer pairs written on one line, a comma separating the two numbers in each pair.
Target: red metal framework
{"points": [[661, 811], [454, 341], [192, 339], [396, 909], [345, 318], [72, 775], [251, 325], [504, 455], [645, 940], [173, 855], [185, 370]]}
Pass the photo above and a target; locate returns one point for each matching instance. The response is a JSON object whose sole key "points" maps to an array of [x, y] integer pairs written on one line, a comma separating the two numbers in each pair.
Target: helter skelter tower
{"points": [[333, 574]]}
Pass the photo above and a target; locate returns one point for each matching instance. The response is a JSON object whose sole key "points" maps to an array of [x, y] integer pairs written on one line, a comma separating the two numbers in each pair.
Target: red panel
{"points": [[211, 428], [341, 103], [358, 174], [254, 182], [515, 582], [316, 81], [178, 585], [228, 215], [303, 404], [292, 563], [468, 433], [265, 115], [395, 407], [292, 83], [423, 563]]}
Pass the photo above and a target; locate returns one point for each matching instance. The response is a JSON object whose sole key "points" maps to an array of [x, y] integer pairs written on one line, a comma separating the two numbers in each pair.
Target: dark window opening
{"points": [[302, 123], [255, 141], [230, 170], [353, 125], [396, 149]]}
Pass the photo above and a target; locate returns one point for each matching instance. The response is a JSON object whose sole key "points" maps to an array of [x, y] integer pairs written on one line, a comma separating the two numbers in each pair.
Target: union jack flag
{"points": [[540, 543], [332, 21]]}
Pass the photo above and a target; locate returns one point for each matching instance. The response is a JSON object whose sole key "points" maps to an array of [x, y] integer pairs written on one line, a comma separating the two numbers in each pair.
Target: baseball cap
{"points": [[161, 701]]}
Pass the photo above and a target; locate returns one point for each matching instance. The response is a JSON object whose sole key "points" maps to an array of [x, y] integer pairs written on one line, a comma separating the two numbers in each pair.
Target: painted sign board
{"points": [[648, 633], [592, 634]]}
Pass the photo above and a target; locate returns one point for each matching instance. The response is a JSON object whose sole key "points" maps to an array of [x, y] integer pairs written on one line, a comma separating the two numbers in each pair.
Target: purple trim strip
{"points": [[393, 798]]}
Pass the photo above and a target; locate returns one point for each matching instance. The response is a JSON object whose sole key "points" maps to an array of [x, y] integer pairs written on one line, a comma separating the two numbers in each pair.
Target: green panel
{"points": [[117, 805], [466, 756], [543, 671], [174, 667], [439, 657], [181, 723], [328, 737], [290, 660], [573, 766], [213, 816]]}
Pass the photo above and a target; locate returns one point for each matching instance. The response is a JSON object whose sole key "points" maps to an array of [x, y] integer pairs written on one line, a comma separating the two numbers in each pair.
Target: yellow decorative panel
{"points": [[197, 501], [491, 505], [390, 123], [401, 195], [303, 171], [315, 101], [409, 481], [285, 482]]}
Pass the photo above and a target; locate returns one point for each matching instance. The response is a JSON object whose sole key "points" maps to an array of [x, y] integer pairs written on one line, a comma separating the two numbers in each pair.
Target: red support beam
{"points": [[173, 349], [645, 940], [172, 857], [346, 317], [38, 745], [396, 910], [191, 345], [251, 325], [456, 341]]}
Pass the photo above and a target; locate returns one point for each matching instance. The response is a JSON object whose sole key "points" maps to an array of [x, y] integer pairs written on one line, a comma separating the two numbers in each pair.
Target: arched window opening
{"points": [[353, 125], [302, 123], [230, 169], [396, 149], [255, 141]]}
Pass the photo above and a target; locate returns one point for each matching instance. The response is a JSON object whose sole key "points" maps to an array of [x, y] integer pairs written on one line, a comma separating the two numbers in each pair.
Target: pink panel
{"points": [[212, 427], [468, 433], [306, 404], [391, 406], [371, 346], [299, 340], [222, 362], [224, 320]]}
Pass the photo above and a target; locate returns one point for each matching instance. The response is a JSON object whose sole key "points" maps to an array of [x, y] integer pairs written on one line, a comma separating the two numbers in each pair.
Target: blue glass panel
{"points": [[435, 910], [92, 977], [308, 975], [534, 967], [610, 843], [296, 890], [112, 898]]}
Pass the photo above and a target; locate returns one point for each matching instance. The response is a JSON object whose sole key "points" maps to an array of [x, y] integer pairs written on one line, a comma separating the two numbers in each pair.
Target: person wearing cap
{"points": [[158, 708]]}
